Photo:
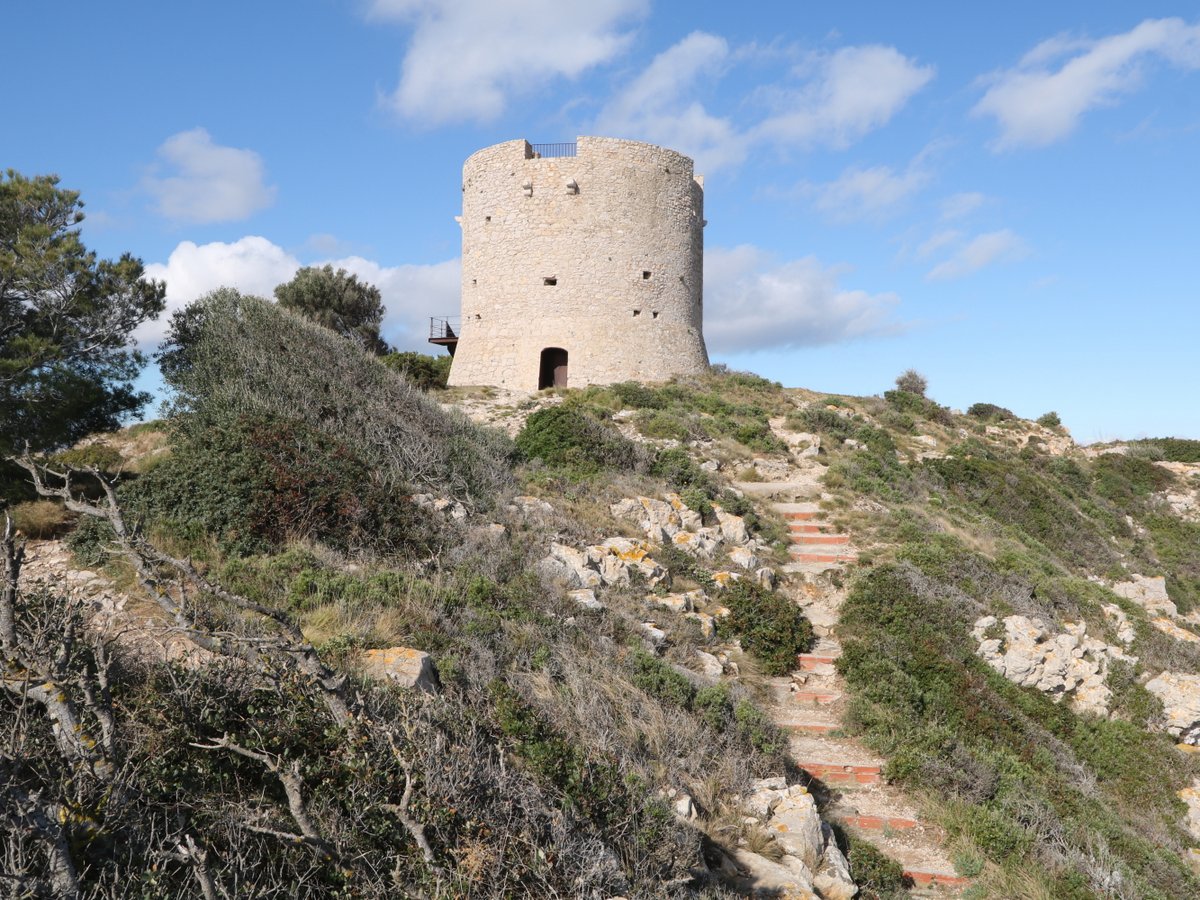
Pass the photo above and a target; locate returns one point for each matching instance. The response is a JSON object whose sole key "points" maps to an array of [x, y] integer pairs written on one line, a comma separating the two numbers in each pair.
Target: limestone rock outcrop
{"points": [[1068, 664], [811, 855], [613, 562], [1180, 696], [670, 521]]}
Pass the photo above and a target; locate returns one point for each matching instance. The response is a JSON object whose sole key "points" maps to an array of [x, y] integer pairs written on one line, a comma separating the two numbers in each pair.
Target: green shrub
{"points": [[1049, 420], [636, 395], [991, 412], [261, 481], [229, 357], [661, 425], [878, 876], [93, 456], [1127, 480], [1177, 449], [770, 626], [572, 440], [429, 373], [660, 680], [89, 541]]}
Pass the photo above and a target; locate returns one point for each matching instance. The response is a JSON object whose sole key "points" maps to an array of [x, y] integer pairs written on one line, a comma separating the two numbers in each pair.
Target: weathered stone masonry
{"points": [[599, 254]]}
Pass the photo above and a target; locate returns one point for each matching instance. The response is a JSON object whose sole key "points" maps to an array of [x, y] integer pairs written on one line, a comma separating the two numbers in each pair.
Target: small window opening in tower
{"points": [[550, 281], [654, 315], [645, 275], [637, 312], [474, 281], [487, 218]]}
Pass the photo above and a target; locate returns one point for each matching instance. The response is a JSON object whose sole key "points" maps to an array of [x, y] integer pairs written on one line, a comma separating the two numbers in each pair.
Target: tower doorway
{"points": [[553, 372]]}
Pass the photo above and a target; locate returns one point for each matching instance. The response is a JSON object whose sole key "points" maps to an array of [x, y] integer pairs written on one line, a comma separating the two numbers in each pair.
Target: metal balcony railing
{"points": [[443, 329], [553, 151]]}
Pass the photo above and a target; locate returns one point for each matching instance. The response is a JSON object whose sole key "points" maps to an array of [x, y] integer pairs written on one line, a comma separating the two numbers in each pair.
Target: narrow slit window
{"points": [[550, 281]]}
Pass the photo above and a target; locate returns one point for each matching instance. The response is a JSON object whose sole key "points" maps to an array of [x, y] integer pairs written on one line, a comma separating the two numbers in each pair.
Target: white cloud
{"points": [[753, 302], [653, 107], [468, 57], [983, 250], [255, 265], [856, 90], [411, 293], [872, 193], [1036, 104], [936, 242], [958, 205], [206, 182], [847, 94]]}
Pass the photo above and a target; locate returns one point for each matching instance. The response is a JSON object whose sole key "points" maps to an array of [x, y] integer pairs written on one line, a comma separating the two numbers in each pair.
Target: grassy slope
{"points": [[1058, 804]]}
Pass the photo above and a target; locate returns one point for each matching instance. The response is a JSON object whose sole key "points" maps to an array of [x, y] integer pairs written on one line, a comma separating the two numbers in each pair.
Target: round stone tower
{"points": [[581, 264]]}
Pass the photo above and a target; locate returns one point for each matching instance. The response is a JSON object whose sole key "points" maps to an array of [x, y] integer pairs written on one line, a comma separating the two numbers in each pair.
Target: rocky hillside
{"points": [[710, 638]]}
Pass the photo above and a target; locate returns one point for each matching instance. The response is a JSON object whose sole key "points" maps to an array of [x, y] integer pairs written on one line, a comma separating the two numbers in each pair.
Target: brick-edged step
{"points": [[924, 879], [878, 823], [803, 556], [842, 775], [920, 852], [807, 527], [816, 662], [818, 540]]}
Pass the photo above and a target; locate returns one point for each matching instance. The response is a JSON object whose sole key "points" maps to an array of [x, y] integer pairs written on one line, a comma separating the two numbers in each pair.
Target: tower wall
{"points": [[599, 254]]}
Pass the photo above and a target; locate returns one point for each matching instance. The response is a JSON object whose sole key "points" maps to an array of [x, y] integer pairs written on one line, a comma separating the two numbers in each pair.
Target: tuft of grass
{"points": [[40, 519]]}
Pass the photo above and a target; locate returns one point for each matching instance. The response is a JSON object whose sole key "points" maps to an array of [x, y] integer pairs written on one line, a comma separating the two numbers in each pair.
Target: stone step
{"points": [[803, 556], [807, 527], [878, 823], [838, 752], [818, 698], [778, 488], [842, 775], [800, 516], [818, 540], [810, 727], [927, 879], [816, 662], [920, 853]]}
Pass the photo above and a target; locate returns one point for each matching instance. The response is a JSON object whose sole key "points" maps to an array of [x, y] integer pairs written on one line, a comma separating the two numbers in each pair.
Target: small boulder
{"points": [[710, 666], [407, 667], [586, 598]]}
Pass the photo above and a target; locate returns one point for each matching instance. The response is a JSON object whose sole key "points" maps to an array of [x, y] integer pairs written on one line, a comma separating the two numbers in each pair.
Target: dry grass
{"points": [[40, 519]]}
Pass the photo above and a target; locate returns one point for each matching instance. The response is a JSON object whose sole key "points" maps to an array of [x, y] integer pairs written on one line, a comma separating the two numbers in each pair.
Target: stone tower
{"points": [[581, 264]]}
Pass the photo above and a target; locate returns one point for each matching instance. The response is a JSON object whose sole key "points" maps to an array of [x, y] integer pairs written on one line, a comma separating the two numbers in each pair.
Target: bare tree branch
{"points": [[293, 787]]}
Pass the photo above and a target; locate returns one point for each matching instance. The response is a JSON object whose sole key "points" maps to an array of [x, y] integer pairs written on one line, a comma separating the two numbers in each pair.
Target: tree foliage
{"points": [[338, 301], [66, 364], [229, 356]]}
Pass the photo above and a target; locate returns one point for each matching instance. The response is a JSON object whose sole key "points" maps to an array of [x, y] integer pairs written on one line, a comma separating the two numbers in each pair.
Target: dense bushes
{"points": [[713, 704], [573, 440], [260, 481], [426, 372], [991, 412], [771, 626], [1016, 767], [230, 356], [722, 404]]}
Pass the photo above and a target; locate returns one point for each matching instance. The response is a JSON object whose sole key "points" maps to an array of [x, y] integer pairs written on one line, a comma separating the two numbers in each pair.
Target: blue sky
{"points": [[1007, 200]]}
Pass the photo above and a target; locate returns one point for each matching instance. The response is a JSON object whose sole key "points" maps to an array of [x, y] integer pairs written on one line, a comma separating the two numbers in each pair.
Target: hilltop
{"points": [[705, 638]]}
